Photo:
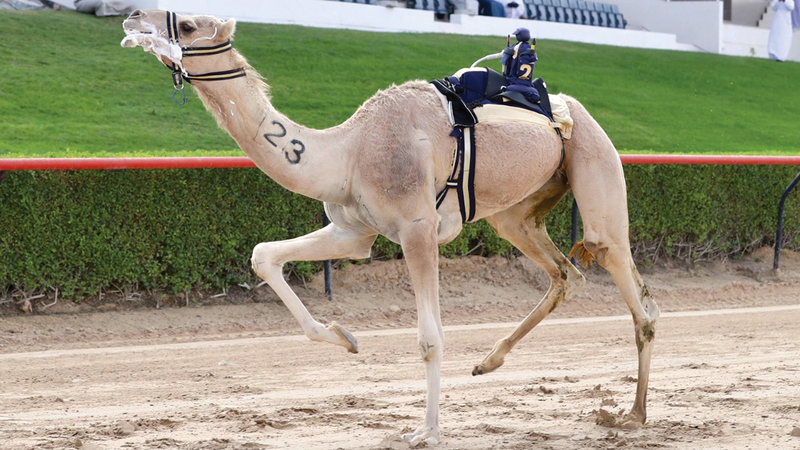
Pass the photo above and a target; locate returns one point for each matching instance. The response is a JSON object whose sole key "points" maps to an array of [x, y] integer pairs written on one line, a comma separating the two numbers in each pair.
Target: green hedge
{"points": [[84, 231]]}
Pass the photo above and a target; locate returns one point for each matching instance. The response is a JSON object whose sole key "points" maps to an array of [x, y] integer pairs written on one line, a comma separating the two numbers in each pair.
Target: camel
{"points": [[379, 172]]}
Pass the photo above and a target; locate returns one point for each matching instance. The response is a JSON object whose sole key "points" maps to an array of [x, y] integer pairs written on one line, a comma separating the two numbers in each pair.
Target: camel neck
{"points": [[303, 160]]}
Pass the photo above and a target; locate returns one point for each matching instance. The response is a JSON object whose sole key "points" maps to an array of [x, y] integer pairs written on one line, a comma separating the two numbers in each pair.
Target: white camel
{"points": [[379, 173]]}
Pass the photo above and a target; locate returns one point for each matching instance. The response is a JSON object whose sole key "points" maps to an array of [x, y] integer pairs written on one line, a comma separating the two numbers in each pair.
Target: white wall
{"points": [[332, 14], [697, 23], [656, 24], [752, 41]]}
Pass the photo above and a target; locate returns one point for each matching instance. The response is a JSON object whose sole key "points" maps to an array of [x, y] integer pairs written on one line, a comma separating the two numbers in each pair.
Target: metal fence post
{"points": [[779, 233], [327, 264], [574, 228]]}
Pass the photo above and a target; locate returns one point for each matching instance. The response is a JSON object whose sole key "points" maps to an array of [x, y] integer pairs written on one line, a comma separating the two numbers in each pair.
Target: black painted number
{"points": [[297, 146], [269, 136]]}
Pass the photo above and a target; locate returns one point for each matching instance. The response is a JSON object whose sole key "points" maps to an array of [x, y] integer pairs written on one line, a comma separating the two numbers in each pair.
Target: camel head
{"points": [[172, 37]]}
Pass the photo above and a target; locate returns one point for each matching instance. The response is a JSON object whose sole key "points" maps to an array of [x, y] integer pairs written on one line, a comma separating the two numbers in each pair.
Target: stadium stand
{"points": [[579, 12], [437, 6]]}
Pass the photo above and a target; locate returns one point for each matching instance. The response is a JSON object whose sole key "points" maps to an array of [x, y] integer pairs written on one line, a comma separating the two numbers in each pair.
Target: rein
{"points": [[179, 75]]}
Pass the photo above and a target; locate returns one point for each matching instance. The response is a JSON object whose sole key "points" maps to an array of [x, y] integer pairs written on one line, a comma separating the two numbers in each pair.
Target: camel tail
{"points": [[581, 254]]}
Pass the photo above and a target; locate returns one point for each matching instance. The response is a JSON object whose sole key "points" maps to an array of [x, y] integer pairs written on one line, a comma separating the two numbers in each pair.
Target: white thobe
{"points": [[516, 12], [780, 32]]}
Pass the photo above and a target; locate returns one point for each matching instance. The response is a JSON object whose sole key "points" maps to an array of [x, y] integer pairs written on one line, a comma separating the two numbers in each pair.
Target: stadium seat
{"points": [[550, 10], [612, 20], [568, 16], [569, 13], [561, 15], [621, 22], [603, 18], [541, 9], [583, 9], [577, 15], [437, 6], [531, 12]]}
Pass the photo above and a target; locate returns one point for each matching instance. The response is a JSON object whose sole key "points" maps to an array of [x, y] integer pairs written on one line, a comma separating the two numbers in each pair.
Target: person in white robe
{"points": [[514, 11], [780, 32]]}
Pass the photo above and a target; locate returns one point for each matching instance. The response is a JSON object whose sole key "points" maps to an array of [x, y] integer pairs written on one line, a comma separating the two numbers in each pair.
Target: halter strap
{"points": [[214, 76], [207, 51], [178, 76]]}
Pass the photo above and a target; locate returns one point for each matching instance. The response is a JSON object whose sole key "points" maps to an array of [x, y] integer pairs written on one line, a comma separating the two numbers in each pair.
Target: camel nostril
{"points": [[135, 14]]}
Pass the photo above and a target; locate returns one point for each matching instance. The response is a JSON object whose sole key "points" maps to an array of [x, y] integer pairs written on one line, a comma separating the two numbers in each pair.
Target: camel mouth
{"points": [[138, 34]]}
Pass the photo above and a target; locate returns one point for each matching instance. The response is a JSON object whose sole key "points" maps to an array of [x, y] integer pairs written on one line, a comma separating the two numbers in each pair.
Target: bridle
{"points": [[179, 74]]}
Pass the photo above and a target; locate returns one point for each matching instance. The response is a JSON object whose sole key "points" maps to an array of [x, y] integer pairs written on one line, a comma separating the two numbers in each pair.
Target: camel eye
{"points": [[187, 28]]}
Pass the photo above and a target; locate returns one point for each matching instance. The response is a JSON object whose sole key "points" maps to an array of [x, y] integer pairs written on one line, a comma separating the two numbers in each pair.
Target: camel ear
{"points": [[228, 28]]}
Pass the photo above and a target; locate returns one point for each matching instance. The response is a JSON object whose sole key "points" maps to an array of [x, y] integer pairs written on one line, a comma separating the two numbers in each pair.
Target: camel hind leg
{"points": [[595, 174], [330, 242], [523, 226]]}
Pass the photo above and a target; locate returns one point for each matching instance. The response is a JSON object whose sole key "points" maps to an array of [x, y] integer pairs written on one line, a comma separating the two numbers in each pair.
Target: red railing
{"points": [[213, 162], [208, 162]]}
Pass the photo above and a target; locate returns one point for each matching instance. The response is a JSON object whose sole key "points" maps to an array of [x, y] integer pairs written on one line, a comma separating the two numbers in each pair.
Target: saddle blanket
{"points": [[501, 113]]}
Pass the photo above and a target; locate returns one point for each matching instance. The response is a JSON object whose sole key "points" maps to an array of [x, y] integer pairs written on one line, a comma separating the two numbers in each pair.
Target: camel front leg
{"points": [[331, 242], [421, 253]]}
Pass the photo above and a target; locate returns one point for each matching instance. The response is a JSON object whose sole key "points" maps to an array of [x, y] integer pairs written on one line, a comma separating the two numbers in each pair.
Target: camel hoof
{"points": [[422, 437], [352, 345], [633, 420], [488, 365]]}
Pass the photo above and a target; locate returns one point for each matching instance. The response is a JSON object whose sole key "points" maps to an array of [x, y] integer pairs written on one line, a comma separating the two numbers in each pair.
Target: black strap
{"points": [[206, 51], [462, 178], [172, 27], [216, 76], [462, 113]]}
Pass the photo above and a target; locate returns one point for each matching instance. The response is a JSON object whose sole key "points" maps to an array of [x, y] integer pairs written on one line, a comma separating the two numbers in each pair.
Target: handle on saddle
{"points": [[487, 57]]}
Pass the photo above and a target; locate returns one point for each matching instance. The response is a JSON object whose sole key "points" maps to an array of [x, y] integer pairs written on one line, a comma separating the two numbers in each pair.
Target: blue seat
{"points": [[541, 10], [549, 11], [437, 6], [603, 16], [561, 10], [612, 20], [621, 22], [586, 18], [531, 12], [577, 15]]}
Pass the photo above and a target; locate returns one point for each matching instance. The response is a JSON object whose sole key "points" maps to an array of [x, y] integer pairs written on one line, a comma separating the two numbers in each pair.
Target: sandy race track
{"points": [[115, 375]]}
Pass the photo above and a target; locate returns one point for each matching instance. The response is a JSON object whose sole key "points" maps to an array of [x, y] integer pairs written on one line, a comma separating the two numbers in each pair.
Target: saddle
{"points": [[484, 89], [471, 88]]}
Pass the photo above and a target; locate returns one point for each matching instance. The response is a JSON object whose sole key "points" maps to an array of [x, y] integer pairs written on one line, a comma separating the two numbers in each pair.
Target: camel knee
{"points": [[572, 278], [645, 334], [264, 262], [429, 351], [430, 348]]}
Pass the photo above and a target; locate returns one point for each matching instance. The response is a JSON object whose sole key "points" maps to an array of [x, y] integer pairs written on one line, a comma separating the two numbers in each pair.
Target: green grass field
{"points": [[68, 89]]}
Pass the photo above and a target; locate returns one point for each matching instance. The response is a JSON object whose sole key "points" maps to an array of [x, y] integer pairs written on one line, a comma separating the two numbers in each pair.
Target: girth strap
{"points": [[462, 179]]}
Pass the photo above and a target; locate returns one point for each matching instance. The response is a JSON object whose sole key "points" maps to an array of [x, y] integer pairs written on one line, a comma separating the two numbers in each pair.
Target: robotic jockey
{"points": [[518, 63]]}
